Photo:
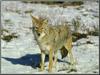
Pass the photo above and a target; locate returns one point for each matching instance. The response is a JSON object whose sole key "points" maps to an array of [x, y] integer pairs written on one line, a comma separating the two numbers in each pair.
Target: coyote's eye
{"points": [[42, 28], [36, 28]]}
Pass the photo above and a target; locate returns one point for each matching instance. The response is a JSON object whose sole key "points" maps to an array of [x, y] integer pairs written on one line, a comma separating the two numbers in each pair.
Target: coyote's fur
{"points": [[52, 38]]}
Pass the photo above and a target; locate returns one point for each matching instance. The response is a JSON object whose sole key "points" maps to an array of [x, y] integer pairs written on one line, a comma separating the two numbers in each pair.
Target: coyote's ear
{"points": [[45, 21], [34, 20]]}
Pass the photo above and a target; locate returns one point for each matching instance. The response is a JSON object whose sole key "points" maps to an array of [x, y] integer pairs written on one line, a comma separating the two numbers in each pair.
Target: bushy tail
{"points": [[64, 52]]}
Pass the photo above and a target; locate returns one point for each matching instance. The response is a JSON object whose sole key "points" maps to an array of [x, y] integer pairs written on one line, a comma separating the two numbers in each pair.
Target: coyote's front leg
{"points": [[50, 60], [42, 61], [55, 60]]}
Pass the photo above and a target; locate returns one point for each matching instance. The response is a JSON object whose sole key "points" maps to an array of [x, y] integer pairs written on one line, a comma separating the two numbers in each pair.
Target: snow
{"points": [[22, 55]]}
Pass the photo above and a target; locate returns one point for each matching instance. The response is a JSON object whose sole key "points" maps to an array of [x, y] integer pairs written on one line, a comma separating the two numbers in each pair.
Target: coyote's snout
{"points": [[51, 39]]}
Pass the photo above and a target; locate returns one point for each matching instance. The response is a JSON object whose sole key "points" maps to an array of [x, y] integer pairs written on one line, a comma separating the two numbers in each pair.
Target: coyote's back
{"points": [[55, 36]]}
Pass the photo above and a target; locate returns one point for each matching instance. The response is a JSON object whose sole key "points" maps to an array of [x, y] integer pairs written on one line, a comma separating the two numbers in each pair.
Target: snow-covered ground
{"points": [[22, 55]]}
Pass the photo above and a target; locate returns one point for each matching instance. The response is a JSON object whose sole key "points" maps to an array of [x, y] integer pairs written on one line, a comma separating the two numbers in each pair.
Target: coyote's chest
{"points": [[44, 43]]}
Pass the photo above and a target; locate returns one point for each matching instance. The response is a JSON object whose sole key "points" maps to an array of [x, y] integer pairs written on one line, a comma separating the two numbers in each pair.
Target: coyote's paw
{"points": [[72, 68], [41, 69]]}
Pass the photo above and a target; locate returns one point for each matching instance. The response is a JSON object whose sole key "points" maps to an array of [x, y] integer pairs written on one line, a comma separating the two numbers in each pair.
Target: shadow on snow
{"points": [[32, 60]]}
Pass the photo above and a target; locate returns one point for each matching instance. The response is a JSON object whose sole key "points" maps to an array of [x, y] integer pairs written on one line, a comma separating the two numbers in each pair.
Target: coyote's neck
{"points": [[36, 36]]}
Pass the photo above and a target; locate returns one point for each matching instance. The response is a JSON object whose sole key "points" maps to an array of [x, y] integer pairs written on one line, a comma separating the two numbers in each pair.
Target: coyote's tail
{"points": [[64, 52]]}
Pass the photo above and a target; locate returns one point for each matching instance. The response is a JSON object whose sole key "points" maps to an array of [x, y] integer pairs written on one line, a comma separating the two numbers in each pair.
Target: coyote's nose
{"points": [[38, 34]]}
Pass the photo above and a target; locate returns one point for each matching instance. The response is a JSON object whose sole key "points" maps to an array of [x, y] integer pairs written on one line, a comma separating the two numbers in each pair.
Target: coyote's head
{"points": [[39, 24]]}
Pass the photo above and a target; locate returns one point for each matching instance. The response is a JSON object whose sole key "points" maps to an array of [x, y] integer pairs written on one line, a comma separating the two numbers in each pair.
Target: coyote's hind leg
{"points": [[68, 46]]}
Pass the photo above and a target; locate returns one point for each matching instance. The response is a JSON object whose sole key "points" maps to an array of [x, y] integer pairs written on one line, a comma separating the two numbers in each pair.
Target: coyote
{"points": [[51, 39]]}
